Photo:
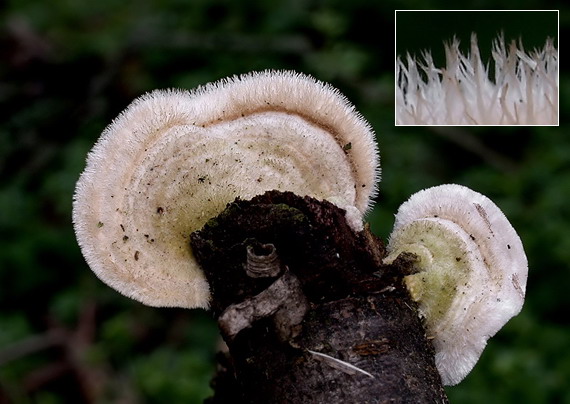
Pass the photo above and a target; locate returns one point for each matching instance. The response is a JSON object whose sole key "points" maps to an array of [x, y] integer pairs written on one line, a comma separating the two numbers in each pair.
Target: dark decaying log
{"points": [[308, 311]]}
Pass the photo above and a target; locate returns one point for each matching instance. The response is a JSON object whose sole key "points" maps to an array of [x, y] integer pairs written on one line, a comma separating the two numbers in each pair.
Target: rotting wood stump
{"points": [[308, 311]]}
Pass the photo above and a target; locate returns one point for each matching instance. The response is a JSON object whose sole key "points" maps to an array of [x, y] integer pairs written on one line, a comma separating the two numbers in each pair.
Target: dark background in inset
{"points": [[426, 30]]}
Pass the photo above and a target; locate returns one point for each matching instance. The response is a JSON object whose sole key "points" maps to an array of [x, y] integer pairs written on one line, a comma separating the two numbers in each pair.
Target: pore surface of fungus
{"points": [[173, 160], [472, 271]]}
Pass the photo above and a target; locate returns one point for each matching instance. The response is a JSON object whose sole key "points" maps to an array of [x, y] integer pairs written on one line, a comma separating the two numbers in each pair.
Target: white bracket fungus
{"points": [[472, 271], [173, 160]]}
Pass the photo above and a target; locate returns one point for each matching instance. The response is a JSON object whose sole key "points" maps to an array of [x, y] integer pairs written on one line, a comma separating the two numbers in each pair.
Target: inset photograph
{"points": [[475, 67]]}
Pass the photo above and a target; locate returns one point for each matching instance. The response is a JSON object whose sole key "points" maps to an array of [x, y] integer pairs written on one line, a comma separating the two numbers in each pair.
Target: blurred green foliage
{"points": [[67, 68]]}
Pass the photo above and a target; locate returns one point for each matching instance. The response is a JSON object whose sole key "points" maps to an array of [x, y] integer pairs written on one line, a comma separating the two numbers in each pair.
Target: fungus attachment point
{"points": [[472, 271], [173, 160]]}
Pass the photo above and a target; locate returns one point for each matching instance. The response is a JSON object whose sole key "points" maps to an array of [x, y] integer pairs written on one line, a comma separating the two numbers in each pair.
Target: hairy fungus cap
{"points": [[522, 91], [472, 271], [173, 160]]}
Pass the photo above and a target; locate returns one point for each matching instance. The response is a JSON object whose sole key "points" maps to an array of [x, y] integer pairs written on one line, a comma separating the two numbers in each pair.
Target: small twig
{"points": [[338, 364], [37, 378], [284, 300], [31, 345]]}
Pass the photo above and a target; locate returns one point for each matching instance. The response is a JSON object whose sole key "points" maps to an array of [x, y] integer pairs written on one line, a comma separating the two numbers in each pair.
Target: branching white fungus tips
{"points": [[472, 271], [173, 160], [523, 90]]}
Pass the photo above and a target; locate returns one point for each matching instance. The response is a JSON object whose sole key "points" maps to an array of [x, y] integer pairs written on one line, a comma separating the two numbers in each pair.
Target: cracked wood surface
{"points": [[333, 326]]}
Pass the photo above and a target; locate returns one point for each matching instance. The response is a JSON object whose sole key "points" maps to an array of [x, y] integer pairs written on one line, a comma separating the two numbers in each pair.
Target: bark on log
{"points": [[310, 314]]}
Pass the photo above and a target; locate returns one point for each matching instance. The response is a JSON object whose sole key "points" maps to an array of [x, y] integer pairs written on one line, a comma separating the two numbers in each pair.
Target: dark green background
{"points": [[67, 68], [423, 30]]}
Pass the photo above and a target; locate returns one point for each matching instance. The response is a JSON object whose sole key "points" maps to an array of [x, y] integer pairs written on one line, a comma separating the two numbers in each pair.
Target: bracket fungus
{"points": [[173, 160], [472, 271]]}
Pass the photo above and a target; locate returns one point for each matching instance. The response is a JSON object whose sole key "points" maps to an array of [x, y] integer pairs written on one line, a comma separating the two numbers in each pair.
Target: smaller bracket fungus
{"points": [[173, 160], [472, 271]]}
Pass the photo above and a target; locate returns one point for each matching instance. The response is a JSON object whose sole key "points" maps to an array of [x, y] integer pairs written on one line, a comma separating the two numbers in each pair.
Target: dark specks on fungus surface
{"points": [[190, 153], [468, 285], [174, 159]]}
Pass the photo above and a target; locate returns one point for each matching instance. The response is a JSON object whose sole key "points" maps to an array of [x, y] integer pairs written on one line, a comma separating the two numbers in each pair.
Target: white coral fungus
{"points": [[522, 91]]}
